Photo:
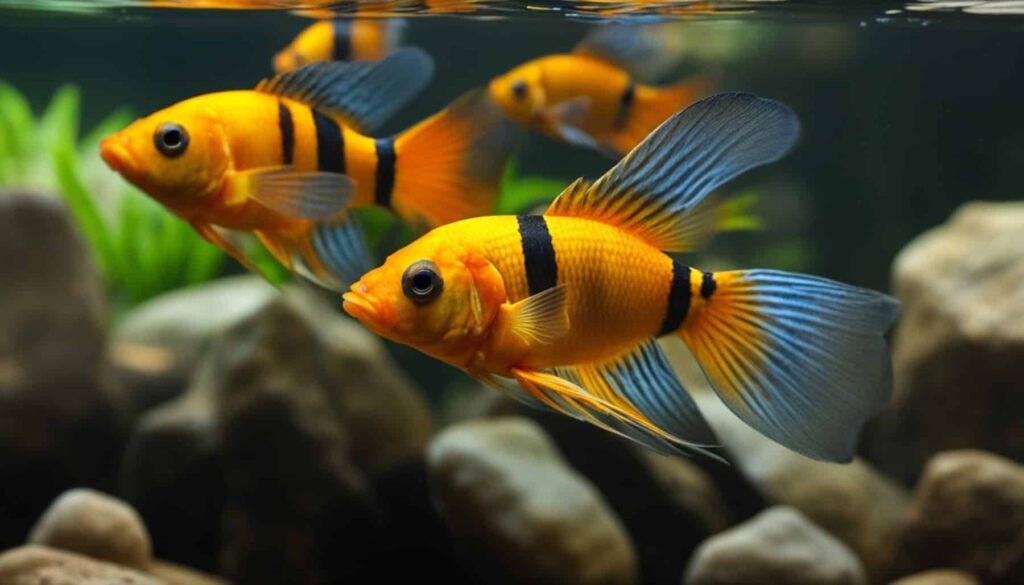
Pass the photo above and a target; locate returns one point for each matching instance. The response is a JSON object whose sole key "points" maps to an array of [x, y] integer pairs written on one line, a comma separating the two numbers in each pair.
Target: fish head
{"points": [[521, 93], [433, 295], [315, 43], [178, 155]]}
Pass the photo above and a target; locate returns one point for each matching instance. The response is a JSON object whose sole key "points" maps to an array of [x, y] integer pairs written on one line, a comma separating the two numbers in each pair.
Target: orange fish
{"points": [[341, 39], [284, 161], [591, 97], [568, 305]]}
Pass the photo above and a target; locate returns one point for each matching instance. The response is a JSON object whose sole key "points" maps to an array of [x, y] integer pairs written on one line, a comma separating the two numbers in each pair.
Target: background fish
{"points": [[592, 97], [341, 39], [569, 304], [284, 161]]}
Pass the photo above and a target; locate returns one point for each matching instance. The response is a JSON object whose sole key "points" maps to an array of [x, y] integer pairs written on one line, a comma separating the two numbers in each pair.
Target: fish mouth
{"points": [[360, 307], [114, 151]]}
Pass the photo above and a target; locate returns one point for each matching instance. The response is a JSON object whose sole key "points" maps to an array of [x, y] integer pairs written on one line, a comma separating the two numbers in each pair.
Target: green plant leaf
{"points": [[17, 129], [58, 126], [84, 210], [522, 194]]}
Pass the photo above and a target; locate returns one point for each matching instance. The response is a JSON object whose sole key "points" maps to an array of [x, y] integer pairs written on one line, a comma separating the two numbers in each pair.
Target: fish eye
{"points": [[422, 281], [519, 89], [170, 139]]}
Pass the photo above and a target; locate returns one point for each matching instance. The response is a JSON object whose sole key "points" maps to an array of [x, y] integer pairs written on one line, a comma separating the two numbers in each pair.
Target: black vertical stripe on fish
{"points": [[708, 285], [385, 175], [330, 144], [625, 105], [342, 39], [678, 298], [538, 253], [287, 128]]}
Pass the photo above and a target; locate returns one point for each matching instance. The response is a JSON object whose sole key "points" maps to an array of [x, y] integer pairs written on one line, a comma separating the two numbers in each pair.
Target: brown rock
{"points": [[96, 525], [938, 577], [522, 514], [968, 513], [38, 565], [959, 344]]}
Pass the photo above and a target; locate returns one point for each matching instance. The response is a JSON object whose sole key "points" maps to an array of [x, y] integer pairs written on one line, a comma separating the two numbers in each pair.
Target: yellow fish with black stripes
{"points": [[341, 39], [592, 97], [568, 305], [285, 161]]}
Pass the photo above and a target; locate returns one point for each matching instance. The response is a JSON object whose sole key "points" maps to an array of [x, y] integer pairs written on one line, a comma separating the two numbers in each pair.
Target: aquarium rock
{"points": [[939, 577], [669, 505], [779, 546], [60, 422], [39, 565], [96, 525], [960, 343], [968, 513], [521, 513], [166, 337], [854, 502]]}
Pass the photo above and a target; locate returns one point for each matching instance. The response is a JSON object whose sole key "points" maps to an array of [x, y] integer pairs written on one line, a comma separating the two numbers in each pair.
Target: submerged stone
{"points": [[959, 343], [60, 420], [968, 513], [779, 546], [39, 565], [269, 451], [521, 513], [96, 525]]}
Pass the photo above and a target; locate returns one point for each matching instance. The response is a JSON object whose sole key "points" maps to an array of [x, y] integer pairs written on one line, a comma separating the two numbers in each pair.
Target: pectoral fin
{"points": [[306, 195], [541, 318], [230, 242]]}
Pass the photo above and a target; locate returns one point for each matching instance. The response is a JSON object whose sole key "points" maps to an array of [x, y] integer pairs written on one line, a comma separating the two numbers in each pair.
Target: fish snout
{"points": [[115, 152], [366, 308]]}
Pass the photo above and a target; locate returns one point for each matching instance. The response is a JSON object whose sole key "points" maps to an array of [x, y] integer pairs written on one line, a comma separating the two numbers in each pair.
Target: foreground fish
{"points": [[569, 304], [285, 160], [341, 39], [591, 97]]}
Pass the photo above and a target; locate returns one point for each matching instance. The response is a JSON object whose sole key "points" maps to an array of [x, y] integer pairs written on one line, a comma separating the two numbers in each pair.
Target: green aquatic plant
{"points": [[522, 194], [140, 249]]}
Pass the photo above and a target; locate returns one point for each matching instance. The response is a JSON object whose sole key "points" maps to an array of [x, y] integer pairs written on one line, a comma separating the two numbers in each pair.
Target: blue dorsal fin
{"points": [[362, 94], [648, 51], [650, 191]]}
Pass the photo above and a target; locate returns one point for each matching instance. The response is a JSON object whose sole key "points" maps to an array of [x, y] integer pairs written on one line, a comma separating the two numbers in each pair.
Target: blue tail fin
{"points": [[801, 359]]}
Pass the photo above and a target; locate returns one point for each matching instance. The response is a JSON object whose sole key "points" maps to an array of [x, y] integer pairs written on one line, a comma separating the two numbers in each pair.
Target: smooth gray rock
{"points": [[939, 577], [959, 344], [38, 565], [779, 546], [96, 525], [967, 513], [520, 512]]}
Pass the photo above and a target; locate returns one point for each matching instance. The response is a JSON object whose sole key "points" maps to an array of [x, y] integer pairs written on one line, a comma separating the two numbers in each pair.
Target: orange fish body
{"points": [[359, 39], [588, 99], [568, 305], [267, 162]]}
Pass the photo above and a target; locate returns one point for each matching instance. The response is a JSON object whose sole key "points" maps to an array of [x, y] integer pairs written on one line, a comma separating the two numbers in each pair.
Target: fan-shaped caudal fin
{"points": [[801, 359], [652, 189]]}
